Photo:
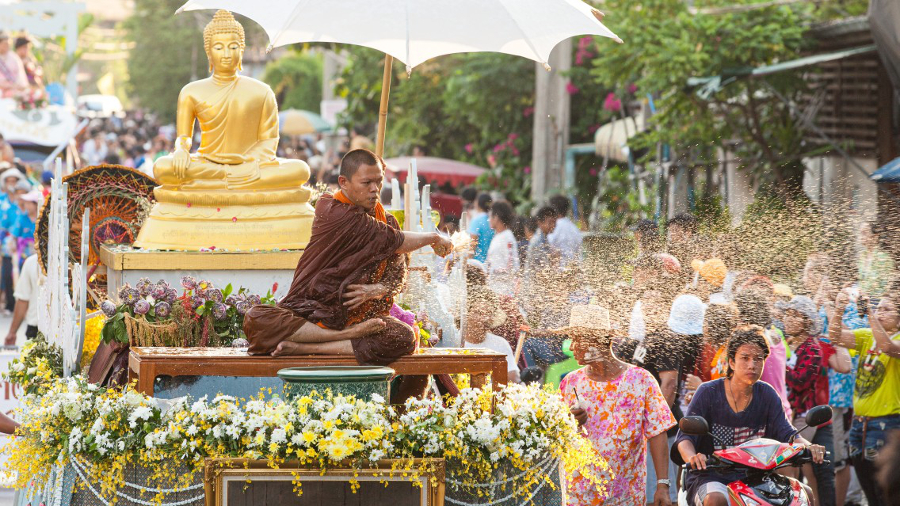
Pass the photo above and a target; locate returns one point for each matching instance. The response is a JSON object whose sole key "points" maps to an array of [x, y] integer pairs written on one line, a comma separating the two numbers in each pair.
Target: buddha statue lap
{"points": [[233, 193]]}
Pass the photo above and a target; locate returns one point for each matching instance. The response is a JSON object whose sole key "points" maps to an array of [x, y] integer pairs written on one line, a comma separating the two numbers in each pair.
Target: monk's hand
{"points": [[356, 295], [442, 245], [181, 159]]}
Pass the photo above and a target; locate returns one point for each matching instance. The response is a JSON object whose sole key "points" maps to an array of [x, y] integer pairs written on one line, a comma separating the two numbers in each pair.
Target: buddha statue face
{"points": [[225, 53]]}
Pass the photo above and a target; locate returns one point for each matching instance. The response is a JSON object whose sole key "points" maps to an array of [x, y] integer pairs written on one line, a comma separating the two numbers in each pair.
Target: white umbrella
{"points": [[414, 31]]}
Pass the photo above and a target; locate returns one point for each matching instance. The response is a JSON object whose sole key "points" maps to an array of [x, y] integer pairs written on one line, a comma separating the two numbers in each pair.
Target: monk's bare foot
{"points": [[365, 328], [286, 348]]}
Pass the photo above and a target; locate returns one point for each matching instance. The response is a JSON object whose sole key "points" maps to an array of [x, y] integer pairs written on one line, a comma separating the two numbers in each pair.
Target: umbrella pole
{"points": [[382, 110]]}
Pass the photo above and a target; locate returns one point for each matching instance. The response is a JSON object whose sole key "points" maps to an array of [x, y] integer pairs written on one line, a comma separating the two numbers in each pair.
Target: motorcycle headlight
{"points": [[749, 501]]}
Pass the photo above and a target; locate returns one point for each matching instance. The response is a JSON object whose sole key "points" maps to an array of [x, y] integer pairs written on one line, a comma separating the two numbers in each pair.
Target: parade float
{"points": [[152, 399]]}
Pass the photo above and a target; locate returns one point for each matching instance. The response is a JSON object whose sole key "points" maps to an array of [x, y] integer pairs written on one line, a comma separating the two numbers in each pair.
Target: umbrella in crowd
{"points": [[414, 32], [437, 170], [300, 122]]}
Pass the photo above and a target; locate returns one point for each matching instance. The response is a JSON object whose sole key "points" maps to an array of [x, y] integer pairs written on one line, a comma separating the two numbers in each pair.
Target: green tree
{"points": [[666, 43], [471, 107], [167, 54], [296, 79]]}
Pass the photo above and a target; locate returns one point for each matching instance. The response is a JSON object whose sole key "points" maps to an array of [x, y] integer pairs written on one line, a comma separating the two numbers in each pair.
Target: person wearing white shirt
{"points": [[26, 309], [503, 254], [482, 315], [566, 237]]}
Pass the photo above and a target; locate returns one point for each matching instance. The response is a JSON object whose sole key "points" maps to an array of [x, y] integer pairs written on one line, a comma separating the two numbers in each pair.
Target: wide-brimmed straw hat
{"points": [[587, 319]]}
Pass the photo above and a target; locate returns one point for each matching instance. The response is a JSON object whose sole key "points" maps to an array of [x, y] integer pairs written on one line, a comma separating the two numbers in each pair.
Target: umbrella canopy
{"points": [[887, 173], [299, 122], [414, 32], [611, 139], [438, 170]]}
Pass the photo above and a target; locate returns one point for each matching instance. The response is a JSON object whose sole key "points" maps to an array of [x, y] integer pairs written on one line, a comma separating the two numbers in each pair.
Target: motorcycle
{"points": [[759, 459]]}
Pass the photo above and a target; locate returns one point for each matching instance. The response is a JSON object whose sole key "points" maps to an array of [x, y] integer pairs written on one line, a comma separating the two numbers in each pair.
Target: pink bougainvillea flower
{"points": [[527, 170], [571, 89], [515, 150], [512, 137], [593, 171], [528, 111], [632, 88], [492, 160], [469, 148], [612, 103], [499, 147]]}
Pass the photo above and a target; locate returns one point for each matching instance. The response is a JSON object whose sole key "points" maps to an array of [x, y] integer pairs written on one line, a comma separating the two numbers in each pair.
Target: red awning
{"points": [[435, 170]]}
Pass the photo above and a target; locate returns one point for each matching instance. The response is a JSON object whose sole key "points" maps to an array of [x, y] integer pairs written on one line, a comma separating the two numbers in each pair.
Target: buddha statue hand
{"points": [[181, 160]]}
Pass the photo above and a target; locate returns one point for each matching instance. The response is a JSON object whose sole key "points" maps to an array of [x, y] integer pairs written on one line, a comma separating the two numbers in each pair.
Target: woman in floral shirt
{"points": [[621, 408]]}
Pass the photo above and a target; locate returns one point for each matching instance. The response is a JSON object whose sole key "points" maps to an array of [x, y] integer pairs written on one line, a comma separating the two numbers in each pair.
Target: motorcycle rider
{"points": [[738, 408]]}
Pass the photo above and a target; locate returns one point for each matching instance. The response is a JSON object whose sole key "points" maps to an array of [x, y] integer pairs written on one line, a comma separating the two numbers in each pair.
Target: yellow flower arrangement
{"points": [[91, 339], [106, 430]]}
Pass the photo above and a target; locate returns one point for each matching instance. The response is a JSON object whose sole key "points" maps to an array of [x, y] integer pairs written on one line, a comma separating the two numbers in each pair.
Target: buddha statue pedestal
{"points": [[236, 220], [255, 271]]}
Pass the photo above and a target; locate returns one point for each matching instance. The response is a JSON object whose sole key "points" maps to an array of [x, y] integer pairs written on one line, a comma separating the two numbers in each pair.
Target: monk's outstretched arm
{"points": [[415, 240]]}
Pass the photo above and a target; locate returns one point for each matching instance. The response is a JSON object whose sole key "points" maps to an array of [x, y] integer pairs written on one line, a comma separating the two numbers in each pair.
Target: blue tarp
{"points": [[888, 173]]}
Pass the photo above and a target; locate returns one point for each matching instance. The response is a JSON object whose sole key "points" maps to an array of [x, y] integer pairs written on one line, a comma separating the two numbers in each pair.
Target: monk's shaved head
{"points": [[353, 160]]}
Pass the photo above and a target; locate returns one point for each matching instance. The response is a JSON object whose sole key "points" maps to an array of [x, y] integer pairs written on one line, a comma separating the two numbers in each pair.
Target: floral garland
{"points": [[106, 429]]}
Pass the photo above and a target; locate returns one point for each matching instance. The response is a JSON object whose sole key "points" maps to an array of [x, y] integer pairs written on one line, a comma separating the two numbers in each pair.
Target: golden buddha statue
{"points": [[233, 193]]}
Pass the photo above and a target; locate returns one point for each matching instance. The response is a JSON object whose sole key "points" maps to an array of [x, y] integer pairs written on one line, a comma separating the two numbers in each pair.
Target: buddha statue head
{"points": [[223, 41]]}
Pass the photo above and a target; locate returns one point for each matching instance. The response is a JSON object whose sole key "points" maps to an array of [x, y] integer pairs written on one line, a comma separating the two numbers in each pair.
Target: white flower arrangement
{"points": [[477, 432]]}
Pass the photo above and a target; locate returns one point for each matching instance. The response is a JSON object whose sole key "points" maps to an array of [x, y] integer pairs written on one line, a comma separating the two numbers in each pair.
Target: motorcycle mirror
{"points": [[694, 425], [818, 415]]}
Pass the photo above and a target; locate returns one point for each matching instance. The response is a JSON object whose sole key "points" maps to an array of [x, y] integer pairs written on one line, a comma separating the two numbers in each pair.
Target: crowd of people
{"points": [[750, 354]]}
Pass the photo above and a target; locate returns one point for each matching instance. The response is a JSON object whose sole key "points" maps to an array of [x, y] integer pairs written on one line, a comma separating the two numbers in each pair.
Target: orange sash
{"points": [[361, 313]]}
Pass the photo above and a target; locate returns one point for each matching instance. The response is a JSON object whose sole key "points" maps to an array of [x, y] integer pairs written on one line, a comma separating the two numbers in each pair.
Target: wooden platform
{"points": [[145, 364]]}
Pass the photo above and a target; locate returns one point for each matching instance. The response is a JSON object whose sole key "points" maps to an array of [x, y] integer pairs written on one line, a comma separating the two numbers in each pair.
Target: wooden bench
{"points": [[145, 364]]}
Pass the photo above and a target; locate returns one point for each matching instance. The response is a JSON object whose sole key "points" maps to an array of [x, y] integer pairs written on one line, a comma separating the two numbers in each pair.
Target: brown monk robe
{"points": [[346, 280], [348, 246]]}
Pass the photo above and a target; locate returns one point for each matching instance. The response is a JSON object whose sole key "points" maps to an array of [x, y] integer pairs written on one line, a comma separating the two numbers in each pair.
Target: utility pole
{"points": [[551, 122]]}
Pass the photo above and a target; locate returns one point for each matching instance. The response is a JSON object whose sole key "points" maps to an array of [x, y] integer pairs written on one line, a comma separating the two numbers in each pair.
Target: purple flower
{"points": [[232, 299], [158, 291], [220, 311], [242, 307], [163, 309], [131, 296], [171, 295], [108, 308], [407, 317], [188, 282], [197, 301], [254, 299], [214, 294], [141, 307], [123, 292], [143, 286]]}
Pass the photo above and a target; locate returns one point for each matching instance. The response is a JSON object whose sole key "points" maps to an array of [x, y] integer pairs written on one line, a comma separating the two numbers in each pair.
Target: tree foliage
{"points": [[666, 44], [296, 79], [167, 53], [471, 107]]}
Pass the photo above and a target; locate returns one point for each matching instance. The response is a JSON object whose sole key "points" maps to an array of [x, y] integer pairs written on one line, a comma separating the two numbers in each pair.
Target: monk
{"points": [[346, 280]]}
